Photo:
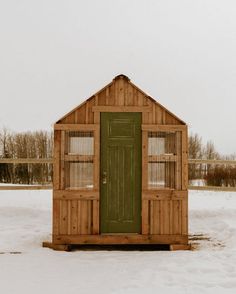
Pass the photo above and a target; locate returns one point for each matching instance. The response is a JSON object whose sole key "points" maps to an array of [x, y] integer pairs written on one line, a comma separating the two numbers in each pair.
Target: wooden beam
{"points": [[75, 195], [162, 158], [120, 239], [80, 158], [121, 108], [163, 128], [174, 247], [165, 195], [76, 127]]}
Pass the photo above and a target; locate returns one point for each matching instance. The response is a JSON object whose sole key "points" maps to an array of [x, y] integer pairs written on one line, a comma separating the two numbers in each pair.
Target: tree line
{"points": [[38, 144], [212, 175]]}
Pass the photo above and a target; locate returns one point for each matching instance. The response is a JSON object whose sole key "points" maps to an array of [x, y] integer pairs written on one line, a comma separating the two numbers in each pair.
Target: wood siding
{"points": [[121, 92], [164, 212]]}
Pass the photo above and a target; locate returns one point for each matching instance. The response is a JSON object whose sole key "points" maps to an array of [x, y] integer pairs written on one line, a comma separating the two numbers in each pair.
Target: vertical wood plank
{"points": [[145, 217], [89, 217], [112, 94], [179, 160], [107, 95], [96, 99], [144, 160], [175, 219], [86, 112], [130, 95], [81, 114], [155, 217], [121, 92], [96, 158], [84, 217], [185, 216], [90, 118], [79, 217], [56, 215], [69, 217], [95, 217], [140, 98], [170, 217], [74, 217], [62, 172], [166, 218], [63, 217], [56, 160], [184, 160]]}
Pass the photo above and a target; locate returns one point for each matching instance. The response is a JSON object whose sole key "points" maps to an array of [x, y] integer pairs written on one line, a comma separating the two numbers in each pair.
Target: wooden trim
{"points": [[144, 160], [62, 159], [56, 160], [76, 127], [121, 108], [76, 195], [175, 247], [164, 128], [96, 217], [145, 217], [81, 158], [120, 239], [184, 160], [162, 158], [165, 195], [96, 177]]}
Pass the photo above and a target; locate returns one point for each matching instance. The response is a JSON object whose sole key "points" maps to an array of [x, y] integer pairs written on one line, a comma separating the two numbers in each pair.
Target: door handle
{"points": [[104, 177]]}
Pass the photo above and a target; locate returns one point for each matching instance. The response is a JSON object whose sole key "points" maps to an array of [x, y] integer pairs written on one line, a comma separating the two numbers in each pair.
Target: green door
{"points": [[120, 172]]}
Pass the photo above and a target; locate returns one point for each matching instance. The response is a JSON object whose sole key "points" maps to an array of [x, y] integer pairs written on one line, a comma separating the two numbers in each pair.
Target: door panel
{"points": [[120, 172]]}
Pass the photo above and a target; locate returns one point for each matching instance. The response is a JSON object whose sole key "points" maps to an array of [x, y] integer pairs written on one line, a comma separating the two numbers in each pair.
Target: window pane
{"points": [[156, 175], [161, 143], [79, 175], [81, 143], [161, 175], [164, 151]]}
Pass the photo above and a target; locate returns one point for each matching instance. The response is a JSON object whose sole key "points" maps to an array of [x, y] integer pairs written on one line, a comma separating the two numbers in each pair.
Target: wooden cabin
{"points": [[120, 172]]}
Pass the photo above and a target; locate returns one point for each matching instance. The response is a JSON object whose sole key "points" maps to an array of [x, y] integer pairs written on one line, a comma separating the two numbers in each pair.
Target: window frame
{"points": [[179, 159], [64, 158]]}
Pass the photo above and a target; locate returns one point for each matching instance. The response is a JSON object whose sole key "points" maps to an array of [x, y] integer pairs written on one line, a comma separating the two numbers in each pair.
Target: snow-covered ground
{"points": [[26, 267]]}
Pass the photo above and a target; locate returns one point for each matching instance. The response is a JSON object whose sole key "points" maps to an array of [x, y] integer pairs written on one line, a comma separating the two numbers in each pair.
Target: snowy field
{"points": [[26, 267]]}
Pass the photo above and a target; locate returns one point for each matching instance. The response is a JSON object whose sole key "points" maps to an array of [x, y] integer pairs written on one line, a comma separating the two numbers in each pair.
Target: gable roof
{"points": [[127, 80]]}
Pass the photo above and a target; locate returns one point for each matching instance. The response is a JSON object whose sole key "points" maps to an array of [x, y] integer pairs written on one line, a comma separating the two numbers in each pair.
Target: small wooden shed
{"points": [[120, 171]]}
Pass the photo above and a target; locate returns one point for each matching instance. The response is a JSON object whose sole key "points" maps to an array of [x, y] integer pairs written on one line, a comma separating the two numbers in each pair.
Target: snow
{"points": [[26, 267]]}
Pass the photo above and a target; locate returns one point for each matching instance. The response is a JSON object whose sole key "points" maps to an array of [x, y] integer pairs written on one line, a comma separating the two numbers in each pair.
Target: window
{"points": [[164, 156], [79, 160]]}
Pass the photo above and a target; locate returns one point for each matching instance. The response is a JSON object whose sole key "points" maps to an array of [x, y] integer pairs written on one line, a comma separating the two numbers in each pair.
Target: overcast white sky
{"points": [[56, 53]]}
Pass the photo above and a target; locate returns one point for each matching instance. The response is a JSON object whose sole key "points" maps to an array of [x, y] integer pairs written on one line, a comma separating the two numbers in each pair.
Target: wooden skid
{"points": [[57, 247], [120, 239], [174, 247]]}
